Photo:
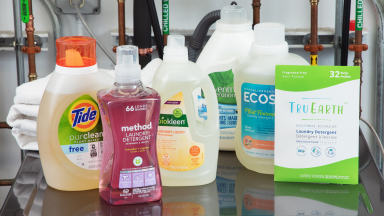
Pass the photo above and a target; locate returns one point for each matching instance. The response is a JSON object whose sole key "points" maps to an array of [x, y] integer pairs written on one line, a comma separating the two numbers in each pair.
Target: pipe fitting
{"points": [[32, 77], [314, 2], [145, 51]]}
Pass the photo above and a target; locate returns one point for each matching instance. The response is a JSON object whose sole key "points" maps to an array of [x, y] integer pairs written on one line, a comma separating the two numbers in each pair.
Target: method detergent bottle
{"points": [[69, 128], [187, 149], [228, 46], [255, 93], [130, 113]]}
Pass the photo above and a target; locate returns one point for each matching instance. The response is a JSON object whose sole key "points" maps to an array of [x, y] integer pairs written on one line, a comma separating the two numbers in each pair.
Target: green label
{"points": [[223, 83], [165, 17], [359, 15], [173, 120], [80, 122], [24, 6], [81, 133], [300, 78]]}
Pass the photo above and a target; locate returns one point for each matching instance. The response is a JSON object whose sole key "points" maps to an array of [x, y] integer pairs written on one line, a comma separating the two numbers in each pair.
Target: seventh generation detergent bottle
{"points": [[187, 149]]}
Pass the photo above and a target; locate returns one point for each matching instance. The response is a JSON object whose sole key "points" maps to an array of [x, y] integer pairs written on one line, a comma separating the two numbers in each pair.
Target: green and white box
{"points": [[317, 124]]}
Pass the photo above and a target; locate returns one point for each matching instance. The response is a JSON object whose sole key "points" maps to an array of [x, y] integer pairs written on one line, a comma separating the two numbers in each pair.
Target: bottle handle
{"points": [[211, 125]]}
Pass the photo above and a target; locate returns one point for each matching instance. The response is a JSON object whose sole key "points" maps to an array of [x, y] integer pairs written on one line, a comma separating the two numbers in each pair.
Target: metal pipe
{"points": [[56, 24], [345, 34], [256, 11], [378, 9], [142, 31], [5, 125], [313, 47], [156, 27], [121, 9], [6, 182], [338, 32], [18, 42], [32, 75]]}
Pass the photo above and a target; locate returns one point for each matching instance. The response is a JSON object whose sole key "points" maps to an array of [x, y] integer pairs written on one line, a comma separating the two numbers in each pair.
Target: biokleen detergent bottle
{"points": [[69, 129], [130, 113], [187, 149], [255, 94]]}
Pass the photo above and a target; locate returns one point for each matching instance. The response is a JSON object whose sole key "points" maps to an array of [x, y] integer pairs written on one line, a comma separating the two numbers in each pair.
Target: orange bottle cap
{"points": [[76, 51]]}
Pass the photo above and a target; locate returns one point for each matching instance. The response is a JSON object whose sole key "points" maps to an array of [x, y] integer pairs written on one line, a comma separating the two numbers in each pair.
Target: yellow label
{"points": [[314, 60], [182, 208], [176, 151]]}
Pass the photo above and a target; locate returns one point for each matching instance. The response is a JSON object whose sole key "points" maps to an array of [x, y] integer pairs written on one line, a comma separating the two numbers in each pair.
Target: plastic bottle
{"points": [[130, 111], [228, 46], [69, 129], [255, 92], [187, 149]]}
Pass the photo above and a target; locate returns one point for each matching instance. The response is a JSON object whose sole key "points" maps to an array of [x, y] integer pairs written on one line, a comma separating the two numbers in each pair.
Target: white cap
{"points": [[127, 67], [175, 51], [269, 39], [233, 14]]}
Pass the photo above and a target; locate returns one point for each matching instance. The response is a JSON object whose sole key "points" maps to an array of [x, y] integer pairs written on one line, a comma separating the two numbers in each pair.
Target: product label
{"points": [[223, 83], [258, 202], [317, 124], [175, 148], [135, 134], [258, 120], [81, 133]]}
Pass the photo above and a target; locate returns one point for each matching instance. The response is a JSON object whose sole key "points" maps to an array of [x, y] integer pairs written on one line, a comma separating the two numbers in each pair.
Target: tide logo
{"points": [[84, 115]]}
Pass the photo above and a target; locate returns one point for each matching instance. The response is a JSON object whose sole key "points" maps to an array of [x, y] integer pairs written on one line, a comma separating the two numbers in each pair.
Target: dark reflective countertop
{"points": [[236, 191]]}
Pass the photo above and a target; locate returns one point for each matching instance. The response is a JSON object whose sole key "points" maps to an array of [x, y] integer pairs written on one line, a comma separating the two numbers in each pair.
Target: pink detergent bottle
{"points": [[130, 114]]}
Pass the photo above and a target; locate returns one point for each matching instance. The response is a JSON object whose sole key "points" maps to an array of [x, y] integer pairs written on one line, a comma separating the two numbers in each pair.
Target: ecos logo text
{"points": [[83, 115]]}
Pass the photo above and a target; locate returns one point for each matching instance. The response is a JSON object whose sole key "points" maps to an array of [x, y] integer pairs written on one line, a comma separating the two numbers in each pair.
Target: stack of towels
{"points": [[23, 114]]}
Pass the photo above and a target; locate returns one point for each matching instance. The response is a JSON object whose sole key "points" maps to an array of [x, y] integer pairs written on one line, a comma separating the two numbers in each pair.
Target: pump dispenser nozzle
{"points": [[233, 14], [127, 67], [175, 51]]}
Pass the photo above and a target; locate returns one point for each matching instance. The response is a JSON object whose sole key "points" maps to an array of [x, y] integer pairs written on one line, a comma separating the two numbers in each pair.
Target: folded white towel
{"points": [[22, 115]]}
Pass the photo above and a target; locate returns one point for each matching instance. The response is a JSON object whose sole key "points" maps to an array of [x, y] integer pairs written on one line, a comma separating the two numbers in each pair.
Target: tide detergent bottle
{"points": [[187, 149], [69, 129], [228, 46]]}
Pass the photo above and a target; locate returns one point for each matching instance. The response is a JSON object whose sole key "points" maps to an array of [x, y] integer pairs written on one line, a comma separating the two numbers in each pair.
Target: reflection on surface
{"points": [[228, 168], [196, 200], [316, 199], [254, 193], [143, 209], [73, 203]]}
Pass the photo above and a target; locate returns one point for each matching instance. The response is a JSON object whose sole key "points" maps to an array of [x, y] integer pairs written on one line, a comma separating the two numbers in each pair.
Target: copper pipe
{"points": [[314, 17], [256, 11], [6, 182], [5, 125], [358, 61], [165, 39], [31, 43], [121, 8]]}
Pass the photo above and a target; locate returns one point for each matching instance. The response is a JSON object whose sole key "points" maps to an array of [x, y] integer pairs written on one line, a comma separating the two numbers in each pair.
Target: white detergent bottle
{"points": [[69, 128], [187, 149], [255, 93], [228, 46]]}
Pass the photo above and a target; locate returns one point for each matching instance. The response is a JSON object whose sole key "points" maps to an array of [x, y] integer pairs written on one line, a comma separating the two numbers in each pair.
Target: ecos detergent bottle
{"points": [[187, 149], [228, 46], [255, 93], [69, 129]]}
